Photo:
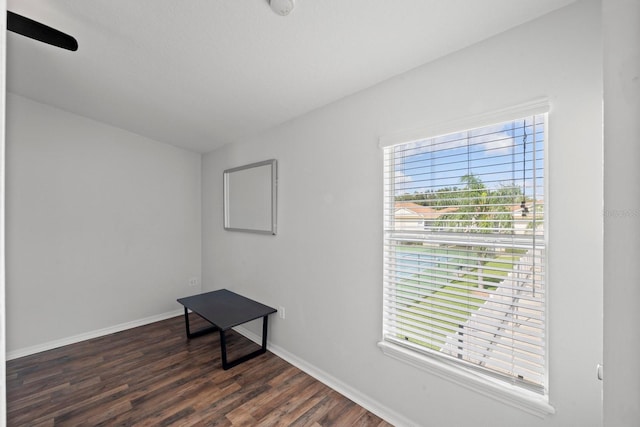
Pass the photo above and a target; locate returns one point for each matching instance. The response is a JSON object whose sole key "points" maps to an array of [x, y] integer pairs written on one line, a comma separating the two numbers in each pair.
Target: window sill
{"points": [[529, 402]]}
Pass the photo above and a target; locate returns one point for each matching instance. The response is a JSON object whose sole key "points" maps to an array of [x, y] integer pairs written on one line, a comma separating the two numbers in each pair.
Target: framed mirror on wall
{"points": [[250, 197]]}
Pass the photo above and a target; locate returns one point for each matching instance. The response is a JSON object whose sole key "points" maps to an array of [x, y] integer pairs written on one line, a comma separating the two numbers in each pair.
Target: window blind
{"points": [[464, 249]]}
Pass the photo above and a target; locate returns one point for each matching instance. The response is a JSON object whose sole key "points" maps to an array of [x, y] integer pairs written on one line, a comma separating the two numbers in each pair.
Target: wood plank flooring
{"points": [[154, 376]]}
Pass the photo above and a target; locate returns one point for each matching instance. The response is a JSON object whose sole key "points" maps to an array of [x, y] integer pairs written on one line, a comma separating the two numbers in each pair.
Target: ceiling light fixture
{"points": [[282, 7]]}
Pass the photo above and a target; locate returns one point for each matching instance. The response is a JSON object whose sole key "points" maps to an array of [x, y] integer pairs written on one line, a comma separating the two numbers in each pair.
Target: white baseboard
{"points": [[27, 351], [349, 392]]}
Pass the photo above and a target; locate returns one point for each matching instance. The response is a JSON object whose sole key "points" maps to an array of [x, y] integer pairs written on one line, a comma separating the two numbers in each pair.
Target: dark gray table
{"points": [[224, 310]]}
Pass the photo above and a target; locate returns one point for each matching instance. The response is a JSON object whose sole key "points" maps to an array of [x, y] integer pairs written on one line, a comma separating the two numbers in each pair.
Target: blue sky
{"points": [[492, 153]]}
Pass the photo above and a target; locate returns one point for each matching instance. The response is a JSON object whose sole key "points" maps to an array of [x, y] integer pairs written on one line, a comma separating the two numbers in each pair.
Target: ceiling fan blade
{"points": [[37, 31]]}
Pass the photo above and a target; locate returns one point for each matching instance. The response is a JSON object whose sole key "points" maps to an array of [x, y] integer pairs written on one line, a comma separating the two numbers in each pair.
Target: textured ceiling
{"points": [[202, 73]]}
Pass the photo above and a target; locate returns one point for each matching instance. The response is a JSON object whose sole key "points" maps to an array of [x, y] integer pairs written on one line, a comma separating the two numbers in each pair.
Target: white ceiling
{"points": [[202, 73]]}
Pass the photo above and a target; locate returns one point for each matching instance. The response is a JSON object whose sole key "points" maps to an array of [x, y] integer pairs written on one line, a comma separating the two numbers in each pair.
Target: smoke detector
{"points": [[282, 7]]}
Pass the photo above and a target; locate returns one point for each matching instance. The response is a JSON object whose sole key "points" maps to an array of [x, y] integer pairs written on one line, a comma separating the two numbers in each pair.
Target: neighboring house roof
{"points": [[414, 210]]}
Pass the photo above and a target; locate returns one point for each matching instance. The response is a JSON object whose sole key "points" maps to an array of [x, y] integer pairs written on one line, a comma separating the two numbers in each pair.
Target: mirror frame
{"points": [[242, 193]]}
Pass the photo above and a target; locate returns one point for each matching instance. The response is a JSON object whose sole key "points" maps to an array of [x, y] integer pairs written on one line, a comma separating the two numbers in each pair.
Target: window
{"points": [[464, 250]]}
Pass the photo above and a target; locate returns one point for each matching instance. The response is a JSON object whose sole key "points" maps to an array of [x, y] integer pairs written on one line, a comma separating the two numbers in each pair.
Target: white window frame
{"points": [[526, 400]]}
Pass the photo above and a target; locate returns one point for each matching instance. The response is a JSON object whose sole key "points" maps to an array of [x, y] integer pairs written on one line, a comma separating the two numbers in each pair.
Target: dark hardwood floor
{"points": [[154, 376]]}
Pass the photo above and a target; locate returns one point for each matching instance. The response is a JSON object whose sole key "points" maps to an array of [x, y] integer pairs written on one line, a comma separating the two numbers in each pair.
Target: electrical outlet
{"points": [[281, 312], [194, 281]]}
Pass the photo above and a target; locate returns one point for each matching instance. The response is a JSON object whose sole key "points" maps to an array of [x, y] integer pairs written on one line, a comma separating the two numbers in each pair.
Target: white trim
{"points": [[91, 334], [529, 402], [361, 399], [432, 130]]}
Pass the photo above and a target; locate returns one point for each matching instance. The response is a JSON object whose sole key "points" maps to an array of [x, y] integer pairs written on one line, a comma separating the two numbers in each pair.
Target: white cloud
{"points": [[493, 139]]}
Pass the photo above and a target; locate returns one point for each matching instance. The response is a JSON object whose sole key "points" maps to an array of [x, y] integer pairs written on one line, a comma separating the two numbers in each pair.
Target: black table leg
{"points": [[223, 348], [199, 332], [264, 333]]}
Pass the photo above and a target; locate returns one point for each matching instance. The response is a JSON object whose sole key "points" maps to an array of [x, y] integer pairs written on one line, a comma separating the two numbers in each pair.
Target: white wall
{"points": [[621, 31], [103, 226], [325, 264], [3, 57]]}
